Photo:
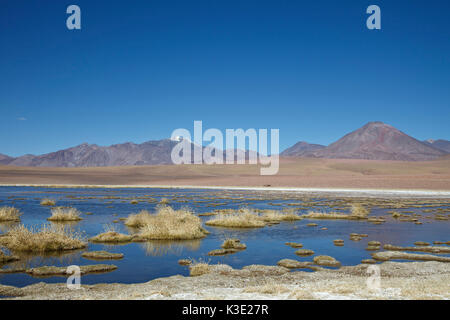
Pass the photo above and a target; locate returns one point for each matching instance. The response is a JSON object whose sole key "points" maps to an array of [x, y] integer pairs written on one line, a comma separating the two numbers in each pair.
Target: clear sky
{"points": [[137, 70]]}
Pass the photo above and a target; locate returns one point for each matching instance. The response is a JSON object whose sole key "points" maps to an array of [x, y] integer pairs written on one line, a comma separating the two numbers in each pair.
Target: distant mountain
{"points": [[126, 154], [378, 141], [92, 155], [440, 144], [300, 149], [4, 159]]}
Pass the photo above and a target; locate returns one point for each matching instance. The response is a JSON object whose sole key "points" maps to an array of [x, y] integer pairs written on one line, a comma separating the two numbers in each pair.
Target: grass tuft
{"points": [[111, 236], [60, 214], [244, 218], [48, 202], [45, 239], [199, 269], [9, 214], [168, 224]]}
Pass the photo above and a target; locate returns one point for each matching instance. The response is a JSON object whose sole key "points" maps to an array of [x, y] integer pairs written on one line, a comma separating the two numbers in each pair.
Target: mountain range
{"points": [[375, 141]]}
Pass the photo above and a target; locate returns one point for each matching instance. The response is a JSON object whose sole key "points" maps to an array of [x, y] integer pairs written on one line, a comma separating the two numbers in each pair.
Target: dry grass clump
{"points": [[60, 214], [169, 224], [137, 220], [184, 262], [276, 216], [326, 215], [48, 202], [51, 271], [102, 255], [9, 214], [233, 243], [304, 252], [293, 264], [359, 211], [111, 236], [294, 244], [222, 252], [395, 255], [269, 288], [45, 239], [240, 219], [199, 269], [326, 261], [164, 201]]}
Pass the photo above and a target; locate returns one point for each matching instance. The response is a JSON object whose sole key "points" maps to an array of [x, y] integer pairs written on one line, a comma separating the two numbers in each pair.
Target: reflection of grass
{"points": [[9, 214], [4, 258], [163, 247], [41, 240], [61, 214], [30, 259]]}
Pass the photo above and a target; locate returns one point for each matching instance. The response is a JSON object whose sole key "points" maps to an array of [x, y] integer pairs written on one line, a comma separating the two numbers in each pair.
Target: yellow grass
{"points": [[326, 215], [359, 211], [111, 236], [242, 218], [237, 220], [45, 239], [164, 201], [9, 214], [48, 202], [137, 220], [60, 214], [232, 243], [169, 224], [269, 288], [199, 269], [276, 216]]}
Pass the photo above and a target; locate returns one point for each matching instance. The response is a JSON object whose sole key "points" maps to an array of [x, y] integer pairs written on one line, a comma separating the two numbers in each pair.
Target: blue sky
{"points": [[137, 70]]}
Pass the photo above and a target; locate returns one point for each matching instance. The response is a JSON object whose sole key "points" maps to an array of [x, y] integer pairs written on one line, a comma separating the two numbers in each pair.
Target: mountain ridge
{"points": [[373, 141]]}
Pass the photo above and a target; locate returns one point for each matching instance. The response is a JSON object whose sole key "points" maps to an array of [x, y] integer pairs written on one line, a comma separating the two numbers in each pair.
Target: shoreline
{"points": [[398, 280], [329, 191]]}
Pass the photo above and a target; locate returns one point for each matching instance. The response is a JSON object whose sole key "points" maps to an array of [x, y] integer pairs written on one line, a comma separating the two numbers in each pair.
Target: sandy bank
{"points": [[410, 280]]}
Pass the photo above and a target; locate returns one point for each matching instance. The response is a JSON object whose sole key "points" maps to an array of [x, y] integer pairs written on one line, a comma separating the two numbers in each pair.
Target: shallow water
{"points": [[154, 259]]}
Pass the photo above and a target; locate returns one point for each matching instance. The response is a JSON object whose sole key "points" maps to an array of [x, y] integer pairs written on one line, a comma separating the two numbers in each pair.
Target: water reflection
{"points": [[159, 248]]}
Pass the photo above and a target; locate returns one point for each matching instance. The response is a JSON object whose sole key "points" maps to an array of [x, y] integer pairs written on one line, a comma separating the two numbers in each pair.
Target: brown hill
{"points": [[378, 141], [92, 155], [300, 149]]}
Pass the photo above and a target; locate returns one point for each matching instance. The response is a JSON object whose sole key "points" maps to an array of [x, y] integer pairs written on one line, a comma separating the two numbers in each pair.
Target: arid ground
{"points": [[411, 280], [300, 173]]}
